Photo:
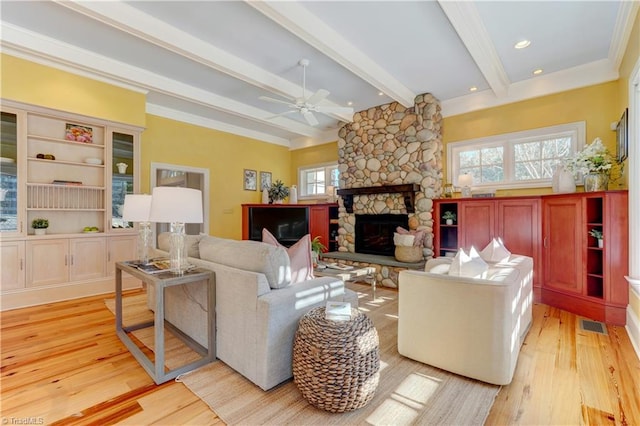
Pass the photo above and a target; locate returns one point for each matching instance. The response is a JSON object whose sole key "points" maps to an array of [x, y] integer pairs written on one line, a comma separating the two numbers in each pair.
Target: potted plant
{"points": [[597, 234], [40, 225], [316, 249], [449, 217], [278, 192]]}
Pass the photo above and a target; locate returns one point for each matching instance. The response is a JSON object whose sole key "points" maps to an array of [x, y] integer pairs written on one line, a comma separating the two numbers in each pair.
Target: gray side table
{"points": [[161, 281]]}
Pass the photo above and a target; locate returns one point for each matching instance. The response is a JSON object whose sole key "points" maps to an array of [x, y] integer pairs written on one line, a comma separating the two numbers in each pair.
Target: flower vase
{"points": [[40, 231], [600, 243], [449, 221], [596, 182], [293, 195], [265, 196]]}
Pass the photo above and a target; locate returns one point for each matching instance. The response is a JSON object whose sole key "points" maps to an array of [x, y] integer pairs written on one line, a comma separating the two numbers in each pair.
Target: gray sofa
{"points": [[257, 306]]}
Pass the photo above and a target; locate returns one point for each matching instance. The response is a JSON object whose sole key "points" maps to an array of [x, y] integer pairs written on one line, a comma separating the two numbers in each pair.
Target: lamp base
{"points": [[466, 191], [177, 255], [144, 241]]}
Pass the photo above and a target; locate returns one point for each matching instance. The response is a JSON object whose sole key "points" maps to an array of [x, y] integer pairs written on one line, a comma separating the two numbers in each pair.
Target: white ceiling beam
{"points": [[465, 19], [90, 63], [126, 18], [302, 23]]}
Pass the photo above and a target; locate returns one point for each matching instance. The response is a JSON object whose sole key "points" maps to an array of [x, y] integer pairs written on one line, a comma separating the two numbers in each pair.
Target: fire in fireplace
{"points": [[374, 232]]}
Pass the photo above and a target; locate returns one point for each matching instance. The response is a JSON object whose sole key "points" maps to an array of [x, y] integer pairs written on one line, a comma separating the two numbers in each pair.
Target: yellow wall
{"points": [[596, 105], [40, 85], [325, 153], [225, 155]]}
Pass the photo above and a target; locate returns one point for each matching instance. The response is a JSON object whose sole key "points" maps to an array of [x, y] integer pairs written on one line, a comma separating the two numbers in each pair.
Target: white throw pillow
{"points": [[403, 240], [468, 265], [495, 252]]}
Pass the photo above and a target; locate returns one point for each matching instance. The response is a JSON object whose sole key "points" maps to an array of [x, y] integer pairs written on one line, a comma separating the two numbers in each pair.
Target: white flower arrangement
{"points": [[594, 158]]}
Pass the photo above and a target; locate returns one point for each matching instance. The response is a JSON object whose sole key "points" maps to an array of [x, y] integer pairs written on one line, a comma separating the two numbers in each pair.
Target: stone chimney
{"points": [[392, 145]]}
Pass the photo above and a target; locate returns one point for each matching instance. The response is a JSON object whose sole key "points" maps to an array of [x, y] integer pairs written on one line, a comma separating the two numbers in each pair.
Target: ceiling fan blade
{"points": [[276, 101], [335, 110], [311, 119], [318, 96]]}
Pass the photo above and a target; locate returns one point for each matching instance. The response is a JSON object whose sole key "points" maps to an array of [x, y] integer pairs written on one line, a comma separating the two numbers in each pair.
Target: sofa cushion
{"points": [[299, 256], [468, 265], [439, 265], [253, 256], [191, 243], [495, 252]]}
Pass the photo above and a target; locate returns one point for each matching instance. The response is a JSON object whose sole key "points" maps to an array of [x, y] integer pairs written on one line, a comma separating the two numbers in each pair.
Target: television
{"points": [[287, 224]]}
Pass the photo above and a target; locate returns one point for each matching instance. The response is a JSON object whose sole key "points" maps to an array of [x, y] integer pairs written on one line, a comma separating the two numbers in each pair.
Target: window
{"points": [[313, 180], [515, 160]]}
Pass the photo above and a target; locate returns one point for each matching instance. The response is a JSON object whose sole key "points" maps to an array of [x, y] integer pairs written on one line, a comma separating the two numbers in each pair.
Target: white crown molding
{"points": [[596, 72], [303, 24], [466, 20], [141, 25], [184, 117], [627, 12]]}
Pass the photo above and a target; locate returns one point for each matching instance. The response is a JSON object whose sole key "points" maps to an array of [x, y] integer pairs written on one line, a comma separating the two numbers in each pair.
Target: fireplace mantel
{"points": [[407, 190]]}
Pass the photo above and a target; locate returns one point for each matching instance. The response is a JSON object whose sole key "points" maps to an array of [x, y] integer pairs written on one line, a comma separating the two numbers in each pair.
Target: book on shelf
{"points": [[67, 182], [337, 311]]}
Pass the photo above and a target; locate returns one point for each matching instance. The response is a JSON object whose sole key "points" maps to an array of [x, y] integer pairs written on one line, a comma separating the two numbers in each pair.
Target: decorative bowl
{"points": [[93, 161]]}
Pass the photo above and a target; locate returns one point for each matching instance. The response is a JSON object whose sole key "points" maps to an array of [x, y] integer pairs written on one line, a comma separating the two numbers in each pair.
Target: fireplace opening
{"points": [[374, 232]]}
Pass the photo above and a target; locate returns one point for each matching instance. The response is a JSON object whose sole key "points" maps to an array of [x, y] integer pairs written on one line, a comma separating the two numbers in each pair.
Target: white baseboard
{"points": [[633, 330]]}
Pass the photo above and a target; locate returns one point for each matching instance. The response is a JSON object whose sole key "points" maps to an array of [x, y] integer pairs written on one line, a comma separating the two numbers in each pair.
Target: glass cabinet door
{"points": [[9, 210], [123, 172]]}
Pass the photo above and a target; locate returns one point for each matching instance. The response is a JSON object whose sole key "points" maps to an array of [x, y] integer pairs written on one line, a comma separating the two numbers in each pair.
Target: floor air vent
{"points": [[595, 326]]}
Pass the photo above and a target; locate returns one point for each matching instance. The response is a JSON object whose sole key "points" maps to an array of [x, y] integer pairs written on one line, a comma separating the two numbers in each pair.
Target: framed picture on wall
{"points": [[265, 180], [250, 180], [622, 137]]}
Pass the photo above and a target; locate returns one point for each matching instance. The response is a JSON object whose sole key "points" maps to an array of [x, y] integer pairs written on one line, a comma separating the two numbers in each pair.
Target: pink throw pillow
{"points": [[299, 256]]}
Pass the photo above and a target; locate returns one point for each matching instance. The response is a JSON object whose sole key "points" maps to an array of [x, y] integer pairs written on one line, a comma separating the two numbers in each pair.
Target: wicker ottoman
{"points": [[336, 364]]}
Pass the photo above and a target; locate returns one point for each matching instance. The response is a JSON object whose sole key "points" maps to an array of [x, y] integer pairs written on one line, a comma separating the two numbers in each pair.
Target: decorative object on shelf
{"points": [[40, 225], [136, 209], [447, 190], [95, 161], [122, 168], [250, 180], [465, 181], [278, 192], [316, 250], [265, 195], [449, 217], [46, 156], [265, 180], [596, 163], [90, 230], [77, 133], [597, 234], [177, 206], [293, 196], [565, 181]]}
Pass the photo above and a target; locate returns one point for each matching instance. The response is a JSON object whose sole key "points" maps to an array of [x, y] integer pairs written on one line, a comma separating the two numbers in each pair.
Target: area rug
{"points": [[409, 392]]}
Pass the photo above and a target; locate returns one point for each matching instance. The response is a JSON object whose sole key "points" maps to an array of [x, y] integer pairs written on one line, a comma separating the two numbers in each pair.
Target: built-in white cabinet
{"points": [[12, 276], [74, 171]]}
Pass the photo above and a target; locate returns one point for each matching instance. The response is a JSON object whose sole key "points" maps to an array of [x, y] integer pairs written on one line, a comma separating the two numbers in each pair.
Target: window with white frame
{"points": [[514, 160], [314, 179]]}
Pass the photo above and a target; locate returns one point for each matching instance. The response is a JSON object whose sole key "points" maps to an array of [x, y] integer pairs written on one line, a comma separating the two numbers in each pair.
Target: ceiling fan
{"points": [[307, 106]]}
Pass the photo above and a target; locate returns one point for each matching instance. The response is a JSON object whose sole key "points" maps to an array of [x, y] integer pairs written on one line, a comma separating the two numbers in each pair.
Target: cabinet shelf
{"points": [[65, 197], [64, 141], [70, 163]]}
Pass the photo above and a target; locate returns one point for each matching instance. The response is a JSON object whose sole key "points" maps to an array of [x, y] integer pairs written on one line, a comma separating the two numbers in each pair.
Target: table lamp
{"points": [[136, 209], [465, 181], [176, 206]]}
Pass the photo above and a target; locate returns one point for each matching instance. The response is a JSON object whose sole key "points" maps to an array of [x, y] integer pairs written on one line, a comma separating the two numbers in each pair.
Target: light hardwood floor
{"points": [[63, 363]]}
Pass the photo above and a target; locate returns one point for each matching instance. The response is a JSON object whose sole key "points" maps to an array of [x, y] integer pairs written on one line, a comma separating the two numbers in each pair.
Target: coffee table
{"points": [[365, 273]]}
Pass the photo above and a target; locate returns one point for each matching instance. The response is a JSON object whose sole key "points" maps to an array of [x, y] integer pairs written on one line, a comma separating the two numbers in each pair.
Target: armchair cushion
{"points": [[299, 256], [470, 265], [495, 251]]}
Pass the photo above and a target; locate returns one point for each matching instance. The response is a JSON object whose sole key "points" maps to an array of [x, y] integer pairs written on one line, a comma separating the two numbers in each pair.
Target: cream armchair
{"points": [[468, 326]]}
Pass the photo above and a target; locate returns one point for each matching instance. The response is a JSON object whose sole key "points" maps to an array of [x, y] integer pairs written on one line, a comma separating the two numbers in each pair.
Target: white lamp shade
{"points": [[465, 180], [136, 207], [172, 204]]}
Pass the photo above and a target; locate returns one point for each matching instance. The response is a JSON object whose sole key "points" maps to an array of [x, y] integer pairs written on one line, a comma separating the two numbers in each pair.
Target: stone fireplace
{"points": [[374, 232], [391, 145]]}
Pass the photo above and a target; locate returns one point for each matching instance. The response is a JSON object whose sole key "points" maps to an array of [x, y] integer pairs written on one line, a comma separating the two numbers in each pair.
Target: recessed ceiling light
{"points": [[538, 71], [380, 94], [522, 44], [349, 103], [473, 88]]}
